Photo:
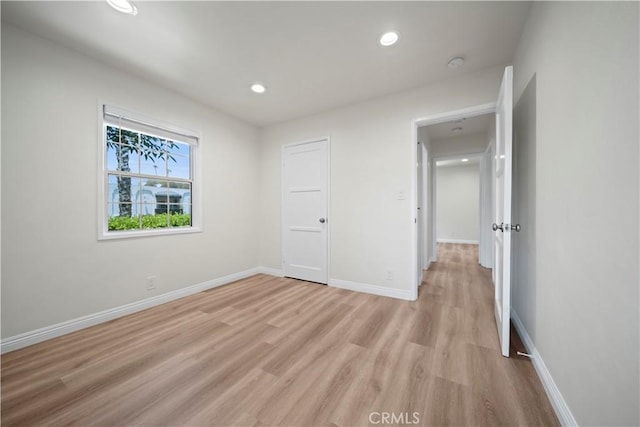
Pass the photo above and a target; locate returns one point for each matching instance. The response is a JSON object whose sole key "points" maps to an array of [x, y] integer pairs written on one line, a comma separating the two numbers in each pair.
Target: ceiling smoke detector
{"points": [[455, 62], [458, 129]]}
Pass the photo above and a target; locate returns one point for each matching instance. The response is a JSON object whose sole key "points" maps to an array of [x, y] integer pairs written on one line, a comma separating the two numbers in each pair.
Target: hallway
{"points": [[476, 385]]}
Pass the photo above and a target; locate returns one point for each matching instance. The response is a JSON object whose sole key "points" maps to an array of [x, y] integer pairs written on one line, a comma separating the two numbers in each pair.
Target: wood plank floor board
{"points": [[132, 396], [413, 373], [305, 309], [450, 360], [374, 325], [205, 389], [500, 404], [267, 351], [315, 406], [426, 324], [377, 374], [237, 401], [284, 397], [300, 342], [449, 404], [265, 306]]}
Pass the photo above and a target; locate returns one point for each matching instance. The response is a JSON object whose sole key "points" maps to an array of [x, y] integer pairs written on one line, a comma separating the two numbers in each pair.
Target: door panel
{"points": [[305, 189], [502, 225]]}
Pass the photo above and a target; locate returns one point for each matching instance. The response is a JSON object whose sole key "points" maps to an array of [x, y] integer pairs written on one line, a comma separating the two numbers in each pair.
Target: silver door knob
{"points": [[322, 220], [516, 227], [496, 227]]}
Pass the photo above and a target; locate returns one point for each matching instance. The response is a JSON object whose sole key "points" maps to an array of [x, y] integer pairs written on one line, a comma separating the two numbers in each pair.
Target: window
{"points": [[147, 177]]}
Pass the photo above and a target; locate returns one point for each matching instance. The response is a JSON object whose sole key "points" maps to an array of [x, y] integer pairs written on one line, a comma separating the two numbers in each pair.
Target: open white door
{"points": [[502, 226], [305, 185]]}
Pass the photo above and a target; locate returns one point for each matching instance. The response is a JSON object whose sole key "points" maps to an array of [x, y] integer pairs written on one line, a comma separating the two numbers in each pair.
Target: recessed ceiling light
{"points": [[389, 38], [465, 160], [124, 6], [458, 129], [455, 62], [258, 88]]}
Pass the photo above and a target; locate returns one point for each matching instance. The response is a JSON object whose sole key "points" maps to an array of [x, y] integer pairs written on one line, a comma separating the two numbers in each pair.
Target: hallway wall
{"points": [[458, 203], [576, 282]]}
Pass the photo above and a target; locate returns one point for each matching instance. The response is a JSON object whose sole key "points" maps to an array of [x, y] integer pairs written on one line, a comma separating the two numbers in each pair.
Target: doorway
{"points": [[459, 149], [501, 194]]}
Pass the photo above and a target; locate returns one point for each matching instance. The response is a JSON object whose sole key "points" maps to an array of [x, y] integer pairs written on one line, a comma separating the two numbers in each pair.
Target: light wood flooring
{"points": [[274, 351]]}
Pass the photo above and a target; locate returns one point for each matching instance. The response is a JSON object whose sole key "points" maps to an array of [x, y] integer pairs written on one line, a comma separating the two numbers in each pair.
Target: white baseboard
{"points": [[404, 294], [564, 414], [459, 241], [33, 337], [270, 271]]}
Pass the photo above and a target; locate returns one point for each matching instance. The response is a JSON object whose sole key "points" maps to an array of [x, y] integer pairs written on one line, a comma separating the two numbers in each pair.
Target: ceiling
{"points": [[312, 56], [458, 162], [470, 126]]}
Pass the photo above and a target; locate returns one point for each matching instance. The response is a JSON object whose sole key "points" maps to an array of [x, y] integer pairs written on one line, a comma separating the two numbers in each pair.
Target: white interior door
{"points": [[502, 225], [304, 211]]}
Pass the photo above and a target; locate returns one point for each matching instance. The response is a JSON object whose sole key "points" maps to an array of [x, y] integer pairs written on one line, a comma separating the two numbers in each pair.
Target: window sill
{"points": [[118, 235]]}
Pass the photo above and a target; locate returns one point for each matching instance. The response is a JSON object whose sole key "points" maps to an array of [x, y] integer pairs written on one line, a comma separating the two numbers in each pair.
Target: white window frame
{"points": [[194, 139]]}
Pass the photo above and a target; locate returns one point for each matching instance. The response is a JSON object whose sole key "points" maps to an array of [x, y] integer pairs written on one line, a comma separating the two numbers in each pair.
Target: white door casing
{"points": [[305, 222], [502, 225], [420, 213], [426, 169]]}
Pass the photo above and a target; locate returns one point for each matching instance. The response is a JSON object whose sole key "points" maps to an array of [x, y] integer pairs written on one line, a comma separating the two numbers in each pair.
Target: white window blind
{"points": [[121, 118]]}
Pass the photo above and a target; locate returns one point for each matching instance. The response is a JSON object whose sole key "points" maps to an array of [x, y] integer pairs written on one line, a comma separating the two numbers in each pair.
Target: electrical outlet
{"points": [[389, 274], [151, 283]]}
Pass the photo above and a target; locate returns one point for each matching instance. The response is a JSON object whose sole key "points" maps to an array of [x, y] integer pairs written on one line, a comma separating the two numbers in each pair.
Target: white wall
{"points": [[458, 203], [371, 163], [579, 158], [465, 144], [54, 269]]}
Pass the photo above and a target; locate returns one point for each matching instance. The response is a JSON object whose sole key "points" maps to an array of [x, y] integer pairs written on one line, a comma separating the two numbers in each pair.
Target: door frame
{"points": [[432, 119], [282, 191], [424, 184], [422, 220]]}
